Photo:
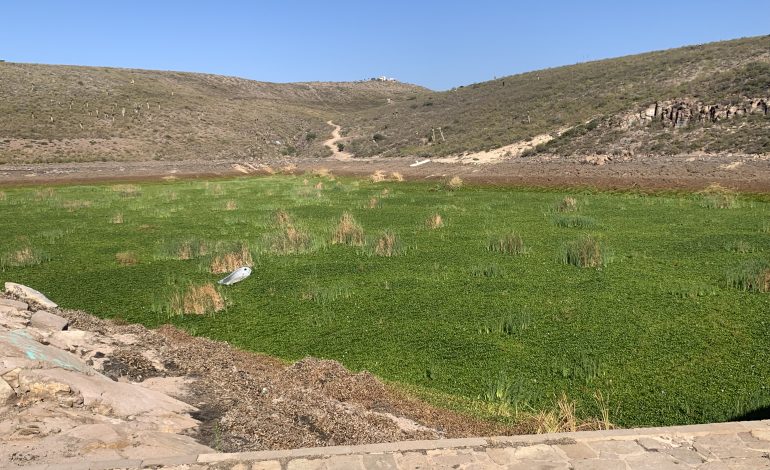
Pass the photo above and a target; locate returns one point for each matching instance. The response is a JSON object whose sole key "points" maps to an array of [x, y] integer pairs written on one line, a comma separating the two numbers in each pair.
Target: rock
{"points": [[48, 321], [28, 293], [11, 377], [71, 340], [6, 392], [19, 349], [14, 303]]}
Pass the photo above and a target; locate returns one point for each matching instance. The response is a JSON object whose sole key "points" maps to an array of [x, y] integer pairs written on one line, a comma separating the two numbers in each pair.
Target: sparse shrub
{"points": [[348, 232], [568, 204], [126, 258], [510, 243], [198, 300], [310, 136], [378, 137], [117, 218], [584, 253], [573, 221], [340, 146], [386, 245], [435, 221], [232, 260], [751, 276]]}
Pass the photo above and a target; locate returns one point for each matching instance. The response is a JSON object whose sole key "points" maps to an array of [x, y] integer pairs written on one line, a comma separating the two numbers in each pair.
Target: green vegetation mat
{"points": [[668, 319]]}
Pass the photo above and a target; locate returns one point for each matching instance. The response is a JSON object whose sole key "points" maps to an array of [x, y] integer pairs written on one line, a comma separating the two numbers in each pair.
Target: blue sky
{"points": [[431, 43]]}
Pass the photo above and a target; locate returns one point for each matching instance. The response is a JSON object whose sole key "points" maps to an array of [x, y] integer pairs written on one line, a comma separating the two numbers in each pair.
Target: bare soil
{"points": [[748, 173]]}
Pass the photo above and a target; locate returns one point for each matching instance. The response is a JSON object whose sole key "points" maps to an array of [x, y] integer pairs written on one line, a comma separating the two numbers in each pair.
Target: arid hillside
{"points": [[588, 106], [51, 113]]}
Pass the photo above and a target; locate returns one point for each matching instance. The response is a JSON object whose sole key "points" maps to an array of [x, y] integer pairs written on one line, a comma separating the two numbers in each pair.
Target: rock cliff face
{"points": [[682, 112]]}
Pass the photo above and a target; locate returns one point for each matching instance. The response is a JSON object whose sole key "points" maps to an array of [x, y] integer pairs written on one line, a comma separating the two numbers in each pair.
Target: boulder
{"points": [[6, 392], [28, 293], [19, 349], [48, 321]]}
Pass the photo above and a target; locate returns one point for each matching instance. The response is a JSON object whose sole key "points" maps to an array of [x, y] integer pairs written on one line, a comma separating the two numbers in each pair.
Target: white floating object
{"points": [[236, 276], [418, 163]]}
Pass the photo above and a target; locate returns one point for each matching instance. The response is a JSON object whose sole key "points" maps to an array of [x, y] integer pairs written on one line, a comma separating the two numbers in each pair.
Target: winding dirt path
{"points": [[331, 144]]}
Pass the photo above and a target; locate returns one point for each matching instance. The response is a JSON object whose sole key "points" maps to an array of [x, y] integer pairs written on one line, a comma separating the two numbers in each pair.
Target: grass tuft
{"points": [[197, 300], [568, 204], [26, 256], [387, 244], [117, 218], [585, 252], [489, 270], [231, 205], [348, 232], [454, 183], [750, 276], [127, 190], [378, 176], [287, 237], [510, 243], [126, 258], [326, 295], [718, 197], [232, 260], [435, 221], [3, 196], [573, 221]]}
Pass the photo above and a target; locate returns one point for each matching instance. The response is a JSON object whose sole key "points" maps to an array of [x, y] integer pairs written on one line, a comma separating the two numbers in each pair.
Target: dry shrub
{"points": [[126, 258], [228, 262], [435, 221], [323, 173], [716, 196], [373, 203], [455, 183], [231, 205], [568, 204], [320, 185], [268, 170], [45, 193], [377, 176], [348, 231], [117, 218], [198, 300], [396, 176], [305, 182], [510, 243], [289, 239], [288, 169], [217, 190], [190, 249], [23, 257], [385, 192], [127, 190], [386, 245], [3, 196]]}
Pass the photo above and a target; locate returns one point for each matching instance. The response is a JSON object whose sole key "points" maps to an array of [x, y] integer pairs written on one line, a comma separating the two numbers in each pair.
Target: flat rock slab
{"points": [[28, 293], [48, 321], [18, 348], [14, 303]]}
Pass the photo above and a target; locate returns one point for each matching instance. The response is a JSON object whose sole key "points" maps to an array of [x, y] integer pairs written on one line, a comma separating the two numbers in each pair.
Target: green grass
{"points": [[659, 329]]}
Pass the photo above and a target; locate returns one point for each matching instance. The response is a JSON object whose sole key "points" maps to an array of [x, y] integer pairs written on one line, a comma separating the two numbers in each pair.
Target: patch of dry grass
{"points": [[716, 196], [127, 190], [126, 258], [3, 196], [386, 245], [373, 203], [396, 176], [45, 193], [435, 221], [74, 205], [288, 169], [510, 243], [348, 231], [454, 183], [231, 205], [378, 176], [26, 256], [287, 238], [197, 300], [230, 261], [319, 185], [586, 252], [117, 218]]}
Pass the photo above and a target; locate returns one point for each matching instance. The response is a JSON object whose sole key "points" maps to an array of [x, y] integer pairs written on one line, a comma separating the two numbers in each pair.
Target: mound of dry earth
{"points": [[76, 387]]}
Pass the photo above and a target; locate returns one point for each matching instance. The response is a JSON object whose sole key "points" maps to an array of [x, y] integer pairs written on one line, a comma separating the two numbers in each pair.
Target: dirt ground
{"points": [[750, 173]]}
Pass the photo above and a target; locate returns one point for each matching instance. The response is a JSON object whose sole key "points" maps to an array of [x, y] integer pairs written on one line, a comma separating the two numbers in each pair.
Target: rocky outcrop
{"points": [[683, 112], [57, 406]]}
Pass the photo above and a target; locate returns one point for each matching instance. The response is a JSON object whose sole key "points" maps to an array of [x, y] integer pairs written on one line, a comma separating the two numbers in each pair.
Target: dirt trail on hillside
{"points": [[331, 144]]}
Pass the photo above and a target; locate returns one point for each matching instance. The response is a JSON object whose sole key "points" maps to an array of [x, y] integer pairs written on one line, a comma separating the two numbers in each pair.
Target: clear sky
{"points": [[431, 43]]}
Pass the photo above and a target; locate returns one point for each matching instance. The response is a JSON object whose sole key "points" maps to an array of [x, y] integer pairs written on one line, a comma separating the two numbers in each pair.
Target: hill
{"points": [[51, 113], [590, 107]]}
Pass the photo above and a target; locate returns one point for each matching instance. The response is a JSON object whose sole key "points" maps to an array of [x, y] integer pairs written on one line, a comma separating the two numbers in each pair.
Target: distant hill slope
{"points": [[601, 98], [52, 113]]}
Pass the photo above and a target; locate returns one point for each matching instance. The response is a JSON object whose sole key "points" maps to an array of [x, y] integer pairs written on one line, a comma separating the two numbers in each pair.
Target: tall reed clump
{"points": [[201, 299], [750, 276], [348, 231], [231, 260], [287, 238], [509, 243], [585, 252], [386, 245]]}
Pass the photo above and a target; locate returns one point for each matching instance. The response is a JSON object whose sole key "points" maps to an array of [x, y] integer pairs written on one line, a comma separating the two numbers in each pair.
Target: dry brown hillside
{"points": [[51, 113]]}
